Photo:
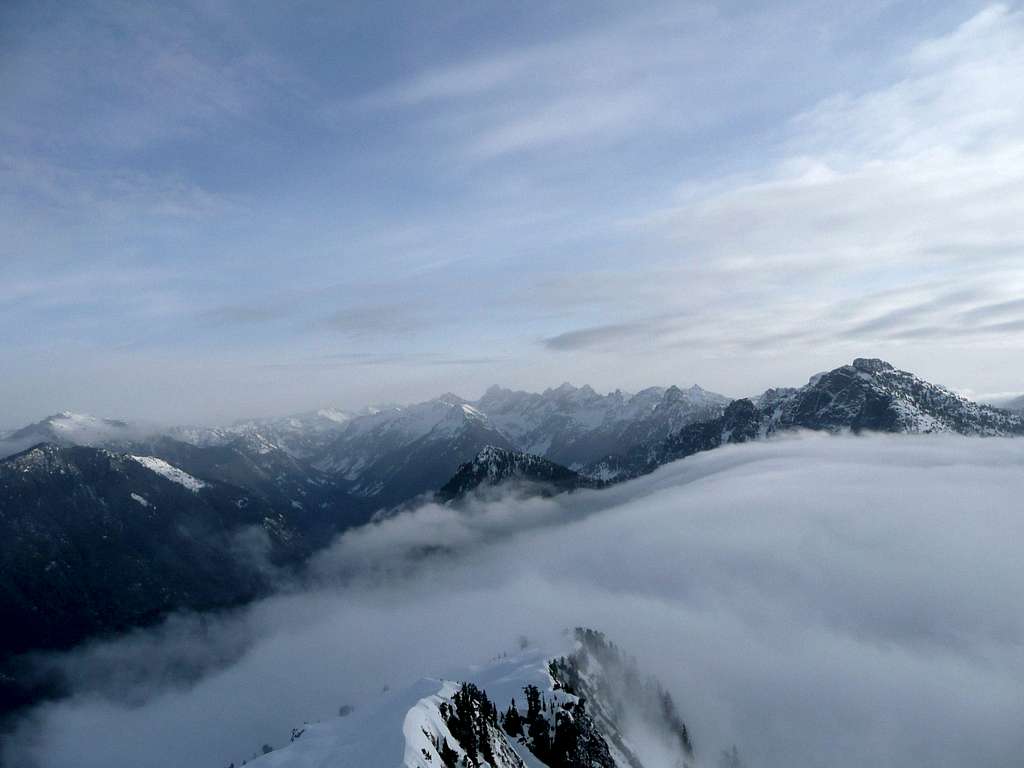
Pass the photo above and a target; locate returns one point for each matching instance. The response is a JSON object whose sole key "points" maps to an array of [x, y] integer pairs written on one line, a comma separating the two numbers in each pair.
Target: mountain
{"points": [[529, 710], [396, 454], [494, 466], [67, 428], [96, 542], [872, 395], [868, 395], [575, 426], [264, 457], [342, 467], [302, 436], [383, 457], [318, 503]]}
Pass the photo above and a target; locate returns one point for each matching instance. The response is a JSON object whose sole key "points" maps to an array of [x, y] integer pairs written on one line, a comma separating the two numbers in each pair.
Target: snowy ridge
{"points": [[172, 473], [528, 710]]}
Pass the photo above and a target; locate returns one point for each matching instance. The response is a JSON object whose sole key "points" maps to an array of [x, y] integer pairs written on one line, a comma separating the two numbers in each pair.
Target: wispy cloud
{"points": [[597, 336]]}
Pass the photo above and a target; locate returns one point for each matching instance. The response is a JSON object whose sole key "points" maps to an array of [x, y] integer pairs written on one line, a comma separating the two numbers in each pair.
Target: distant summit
{"points": [[494, 466], [869, 395], [69, 428]]}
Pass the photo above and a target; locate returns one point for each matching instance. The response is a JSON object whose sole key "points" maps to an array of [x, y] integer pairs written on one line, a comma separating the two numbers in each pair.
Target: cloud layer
{"points": [[816, 601]]}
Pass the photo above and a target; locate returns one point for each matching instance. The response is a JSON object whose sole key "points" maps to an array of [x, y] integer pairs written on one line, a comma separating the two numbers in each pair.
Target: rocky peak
{"points": [[450, 398], [872, 365], [493, 465]]}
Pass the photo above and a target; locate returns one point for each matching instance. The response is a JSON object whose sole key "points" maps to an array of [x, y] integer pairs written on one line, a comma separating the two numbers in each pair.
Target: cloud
{"points": [[243, 314], [371, 359], [599, 83], [377, 320], [914, 186], [820, 600], [596, 336]]}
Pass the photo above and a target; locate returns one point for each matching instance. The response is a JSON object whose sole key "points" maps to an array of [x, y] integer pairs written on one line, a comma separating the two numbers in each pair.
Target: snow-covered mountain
{"points": [[400, 452], [495, 466], [303, 435], [872, 395], [574, 426], [576, 709], [68, 428], [868, 395]]}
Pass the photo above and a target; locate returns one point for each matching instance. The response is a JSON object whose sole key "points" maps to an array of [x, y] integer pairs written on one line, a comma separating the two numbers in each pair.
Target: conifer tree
{"points": [[513, 722]]}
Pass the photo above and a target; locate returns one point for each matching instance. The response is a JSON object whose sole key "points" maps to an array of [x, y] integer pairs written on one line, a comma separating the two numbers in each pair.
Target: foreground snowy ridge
{"points": [[529, 710]]}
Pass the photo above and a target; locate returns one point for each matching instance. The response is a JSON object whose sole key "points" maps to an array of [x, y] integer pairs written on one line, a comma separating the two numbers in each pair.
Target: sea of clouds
{"points": [[816, 601]]}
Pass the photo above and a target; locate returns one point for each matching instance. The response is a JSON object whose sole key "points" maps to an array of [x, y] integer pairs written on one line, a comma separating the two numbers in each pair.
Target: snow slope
{"points": [[171, 472]]}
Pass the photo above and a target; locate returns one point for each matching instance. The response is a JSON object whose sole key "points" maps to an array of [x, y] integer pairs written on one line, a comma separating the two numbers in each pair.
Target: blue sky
{"points": [[222, 209]]}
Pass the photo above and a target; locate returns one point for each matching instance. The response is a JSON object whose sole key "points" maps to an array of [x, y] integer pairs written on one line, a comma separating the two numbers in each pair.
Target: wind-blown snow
{"points": [[171, 472]]}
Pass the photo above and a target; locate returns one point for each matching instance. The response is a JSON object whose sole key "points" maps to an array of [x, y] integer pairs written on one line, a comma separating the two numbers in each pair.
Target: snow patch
{"points": [[170, 472]]}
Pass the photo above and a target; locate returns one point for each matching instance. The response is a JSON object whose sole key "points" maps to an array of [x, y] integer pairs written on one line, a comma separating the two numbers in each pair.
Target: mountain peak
{"points": [[565, 388], [450, 398], [493, 465], [872, 365]]}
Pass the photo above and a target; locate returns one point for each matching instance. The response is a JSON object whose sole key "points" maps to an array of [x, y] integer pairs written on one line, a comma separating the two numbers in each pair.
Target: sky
{"points": [[865, 611], [225, 209]]}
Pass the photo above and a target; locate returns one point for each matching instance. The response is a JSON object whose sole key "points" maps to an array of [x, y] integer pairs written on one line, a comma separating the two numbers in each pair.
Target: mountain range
{"points": [[108, 524]]}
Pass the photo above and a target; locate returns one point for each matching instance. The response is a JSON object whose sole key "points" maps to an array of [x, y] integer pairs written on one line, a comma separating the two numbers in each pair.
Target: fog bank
{"points": [[817, 601]]}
